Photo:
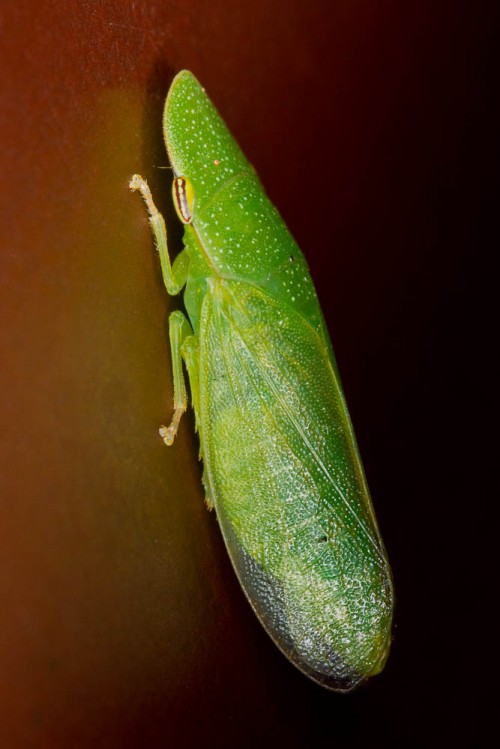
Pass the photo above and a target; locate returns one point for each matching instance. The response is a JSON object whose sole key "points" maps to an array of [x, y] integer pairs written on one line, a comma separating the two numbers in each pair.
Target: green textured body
{"points": [[281, 465]]}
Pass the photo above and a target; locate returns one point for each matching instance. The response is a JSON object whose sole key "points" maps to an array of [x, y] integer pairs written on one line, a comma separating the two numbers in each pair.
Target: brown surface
{"points": [[121, 623]]}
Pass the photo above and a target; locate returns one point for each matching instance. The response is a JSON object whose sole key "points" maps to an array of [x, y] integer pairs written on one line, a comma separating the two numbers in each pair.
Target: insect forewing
{"points": [[289, 488]]}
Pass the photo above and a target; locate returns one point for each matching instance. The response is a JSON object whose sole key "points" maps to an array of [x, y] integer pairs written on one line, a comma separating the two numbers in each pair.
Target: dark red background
{"points": [[121, 622]]}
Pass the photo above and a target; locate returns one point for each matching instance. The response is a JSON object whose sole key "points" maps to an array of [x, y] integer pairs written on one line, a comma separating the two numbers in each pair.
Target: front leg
{"points": [[174, 275]]}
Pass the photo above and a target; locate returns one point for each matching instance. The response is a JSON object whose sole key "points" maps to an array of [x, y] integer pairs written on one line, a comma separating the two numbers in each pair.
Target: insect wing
{"points": [[288, 487]]}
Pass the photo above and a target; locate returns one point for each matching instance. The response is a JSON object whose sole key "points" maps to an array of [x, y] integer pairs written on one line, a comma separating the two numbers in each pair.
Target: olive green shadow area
{"points": [[112, 562]]}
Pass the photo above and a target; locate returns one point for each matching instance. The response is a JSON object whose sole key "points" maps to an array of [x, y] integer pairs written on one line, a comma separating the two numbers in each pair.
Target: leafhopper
{"points": [[281, 464]]}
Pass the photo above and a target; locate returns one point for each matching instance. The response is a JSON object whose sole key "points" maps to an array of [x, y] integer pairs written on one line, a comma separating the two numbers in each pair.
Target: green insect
{"points": [[281, 464]]}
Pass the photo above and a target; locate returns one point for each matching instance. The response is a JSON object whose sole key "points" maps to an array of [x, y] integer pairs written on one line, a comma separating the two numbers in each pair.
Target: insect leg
{"points": [[179, 331], [174, 275], [191, 355]]}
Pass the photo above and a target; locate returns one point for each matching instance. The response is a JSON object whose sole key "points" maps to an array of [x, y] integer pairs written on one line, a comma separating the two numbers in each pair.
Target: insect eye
{"points": [[183, 195]]}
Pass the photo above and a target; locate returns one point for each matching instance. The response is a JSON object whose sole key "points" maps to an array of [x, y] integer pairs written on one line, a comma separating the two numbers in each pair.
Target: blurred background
{"points": [[121, 621]]}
